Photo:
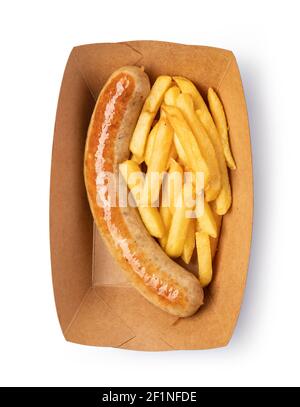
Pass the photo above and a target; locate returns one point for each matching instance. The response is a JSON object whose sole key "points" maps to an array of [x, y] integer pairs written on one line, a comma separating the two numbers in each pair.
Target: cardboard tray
{"points": [[95, 304]]}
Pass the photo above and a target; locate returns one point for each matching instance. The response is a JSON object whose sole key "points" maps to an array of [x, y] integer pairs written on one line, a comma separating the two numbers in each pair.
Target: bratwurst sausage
{"points": [[158, 278]]}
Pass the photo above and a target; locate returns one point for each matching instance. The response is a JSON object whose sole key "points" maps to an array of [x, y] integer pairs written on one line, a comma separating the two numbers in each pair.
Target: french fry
{"points": [[158, 162], [140, 134], [172, 154], [150, 108], [187, 86], [178, 229], [173, 188], [206, 221], [223, 201], [166, 216], [150, 143], [204, 258], [180, 150], [157, 92], [187, 141], [189, 244], [185, 103], [171, 96], [162, 114], [150, 216], [214, 241], [218, 114], [174, 184]]}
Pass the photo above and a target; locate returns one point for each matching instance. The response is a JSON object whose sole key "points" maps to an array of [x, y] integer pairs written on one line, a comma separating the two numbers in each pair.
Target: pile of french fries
{"points": [[176, 134]]}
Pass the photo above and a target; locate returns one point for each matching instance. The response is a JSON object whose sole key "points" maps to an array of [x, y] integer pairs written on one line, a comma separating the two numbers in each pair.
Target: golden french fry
{"points": [[150, 108], [140, 134], [188, 142], [166, 216], [150, 143], [172, 189], [206, 220], [187, 86], [165, 213], [223, 201], [171, 96], [158, 161], [192, 174], [180, 150], [152, 221], [174, 184], [214, 241], [162, 114], [178, 229], [204, 258], [172, 154], [189, 244], [151, 218], [218, 114], [157, 92], [134, 178], [185, 103]]}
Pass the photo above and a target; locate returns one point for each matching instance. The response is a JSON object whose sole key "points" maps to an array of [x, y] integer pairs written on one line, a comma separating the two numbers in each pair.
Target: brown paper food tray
{"points": [[95, 304]]}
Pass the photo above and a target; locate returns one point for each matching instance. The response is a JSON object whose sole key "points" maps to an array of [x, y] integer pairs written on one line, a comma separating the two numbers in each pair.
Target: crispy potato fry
{"points": [[157, 92], [187, 141], [223, 201], [166, 216], [150, 216], [173, 188], [214, 241], [190, 193], [189, 244], [174, 184], [140, 134], [180, 151], [204, 258], [158, 162], [218, 114], [162, 114], [134, 178], [172, 154], [171, 96], [150, 143], [206, 220], [187, 86], [150, 108], [178, 229], [185, 103]]}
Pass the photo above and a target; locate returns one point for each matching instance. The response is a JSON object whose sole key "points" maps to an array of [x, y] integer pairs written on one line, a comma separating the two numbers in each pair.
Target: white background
{"points": [[36, 38]]}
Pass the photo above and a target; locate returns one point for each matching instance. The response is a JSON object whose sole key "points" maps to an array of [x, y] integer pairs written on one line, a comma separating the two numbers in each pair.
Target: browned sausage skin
{"points": [[162, 281]]}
